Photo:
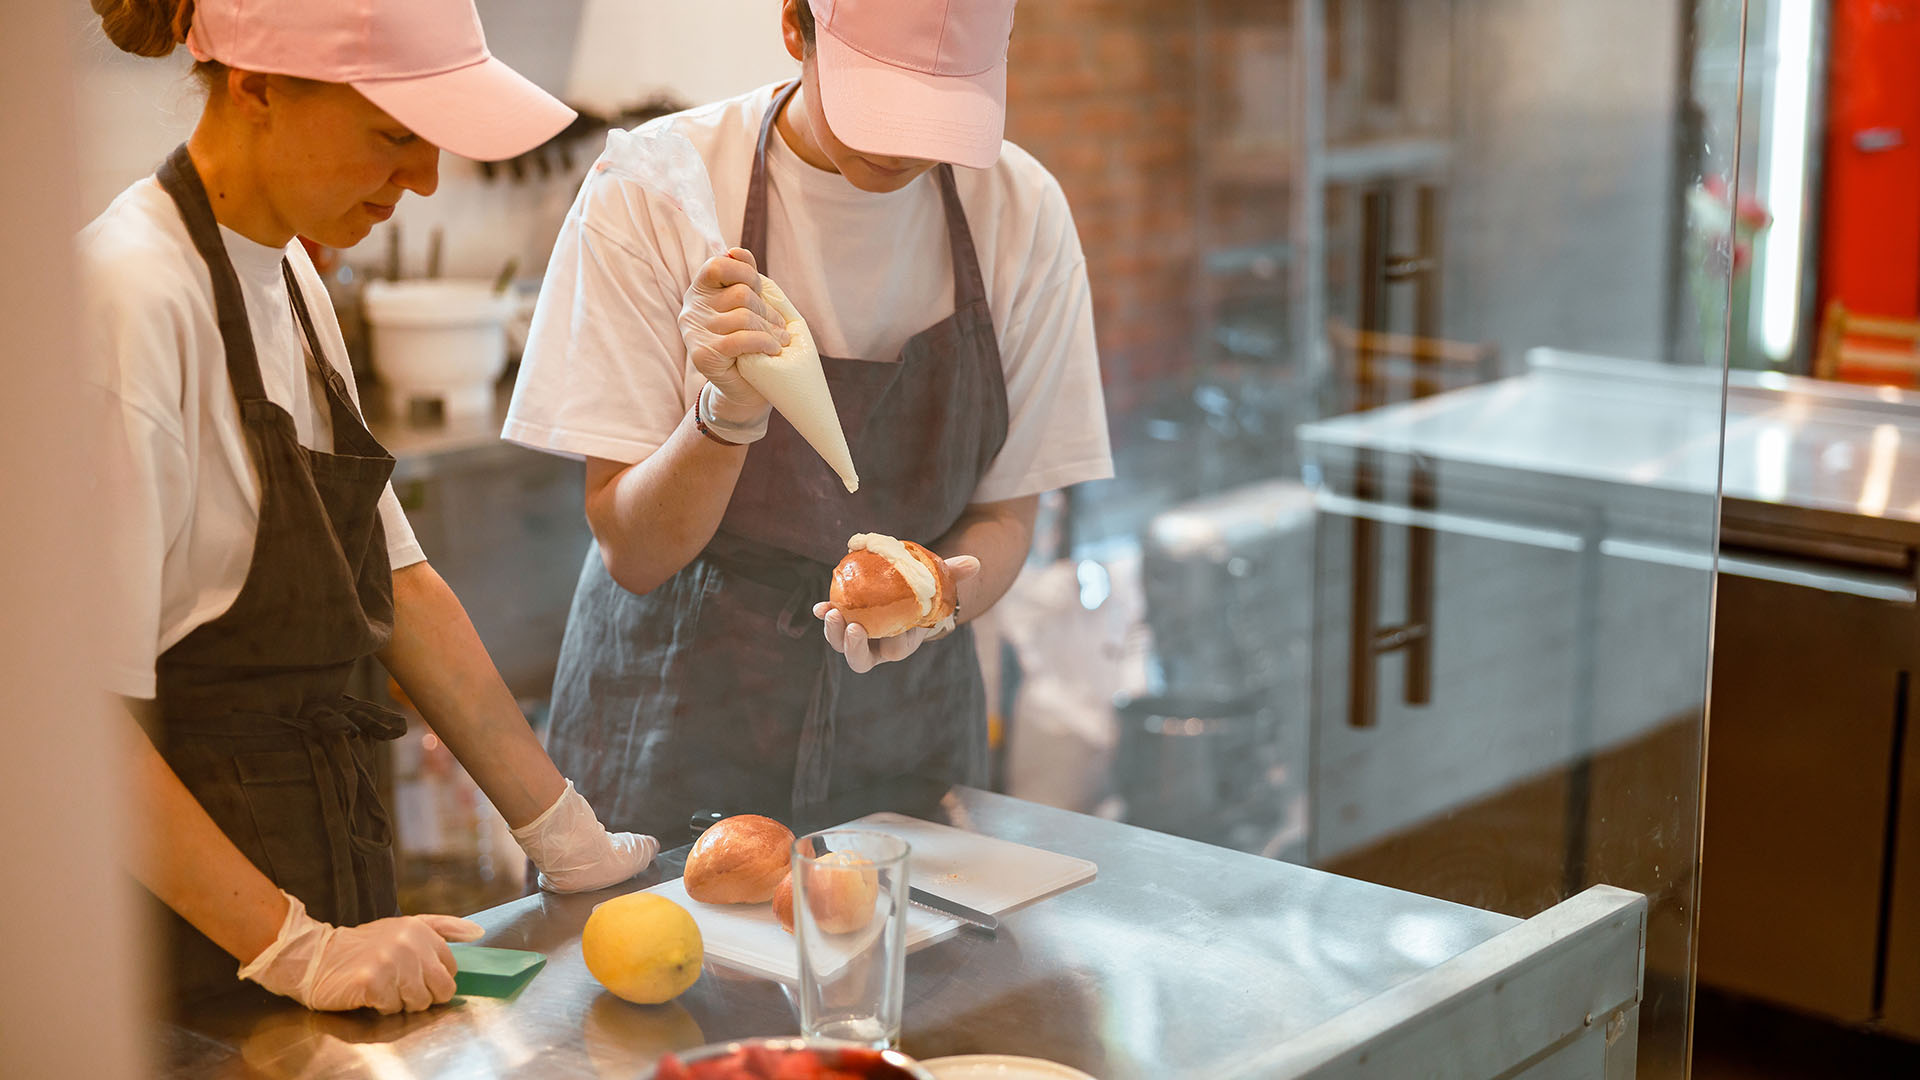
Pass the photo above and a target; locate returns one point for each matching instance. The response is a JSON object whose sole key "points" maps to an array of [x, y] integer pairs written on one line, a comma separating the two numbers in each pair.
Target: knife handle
{"points": [[702, 820]]}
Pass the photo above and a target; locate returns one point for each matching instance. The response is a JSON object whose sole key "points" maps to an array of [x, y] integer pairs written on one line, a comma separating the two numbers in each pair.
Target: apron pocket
{"points": [[275, 767], [283, 797]]}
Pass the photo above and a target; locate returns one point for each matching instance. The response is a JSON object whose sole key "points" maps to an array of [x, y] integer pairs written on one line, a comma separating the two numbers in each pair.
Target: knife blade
{"points": [[939, 904]]}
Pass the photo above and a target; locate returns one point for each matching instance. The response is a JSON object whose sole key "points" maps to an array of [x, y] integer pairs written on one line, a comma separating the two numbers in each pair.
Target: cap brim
{"points": [[877, 108], [485, 111]]}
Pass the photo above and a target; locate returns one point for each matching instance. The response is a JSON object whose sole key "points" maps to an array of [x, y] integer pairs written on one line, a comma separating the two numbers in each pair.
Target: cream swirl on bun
{"points": [[889, 586]]}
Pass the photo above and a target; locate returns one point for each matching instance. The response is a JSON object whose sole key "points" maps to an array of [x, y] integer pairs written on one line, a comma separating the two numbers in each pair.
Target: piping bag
{"points": [[664, 163]]}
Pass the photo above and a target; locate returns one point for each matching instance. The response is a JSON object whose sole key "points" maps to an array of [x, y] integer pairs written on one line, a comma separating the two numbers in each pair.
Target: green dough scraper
{"points": [[494, 973]]}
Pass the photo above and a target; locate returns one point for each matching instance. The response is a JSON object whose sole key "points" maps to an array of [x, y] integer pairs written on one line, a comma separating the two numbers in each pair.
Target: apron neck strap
{"points": [[969, 286], [316, 358], [182, 182], [753, 226]]}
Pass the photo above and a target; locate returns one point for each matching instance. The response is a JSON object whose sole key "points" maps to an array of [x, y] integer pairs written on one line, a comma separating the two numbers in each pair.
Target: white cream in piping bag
{"points": [[793, 381], [919, 578]]}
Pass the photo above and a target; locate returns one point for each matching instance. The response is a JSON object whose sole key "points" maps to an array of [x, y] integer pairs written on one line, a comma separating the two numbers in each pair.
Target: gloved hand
{"points": [[722, 318], [575, 853], [391, 965], [863, 653]]}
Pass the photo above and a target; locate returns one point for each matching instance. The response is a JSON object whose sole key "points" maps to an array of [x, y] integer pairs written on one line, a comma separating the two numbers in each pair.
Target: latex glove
{"points": [[722, 318], [575, 853], [392, 965], [863, 654]]}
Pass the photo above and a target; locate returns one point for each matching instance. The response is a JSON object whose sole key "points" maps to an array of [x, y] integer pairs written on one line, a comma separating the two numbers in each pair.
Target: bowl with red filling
{"points": [[787, 1059]]}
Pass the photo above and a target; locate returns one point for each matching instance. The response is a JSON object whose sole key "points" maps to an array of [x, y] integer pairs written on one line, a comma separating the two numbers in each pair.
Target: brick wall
{"points": [[1103, 93]]}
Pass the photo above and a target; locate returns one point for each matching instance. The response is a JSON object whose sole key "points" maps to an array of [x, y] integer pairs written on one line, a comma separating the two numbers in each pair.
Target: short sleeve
{"points": [[403, 548], [604, 373], [144, 478], [1057, 419]]}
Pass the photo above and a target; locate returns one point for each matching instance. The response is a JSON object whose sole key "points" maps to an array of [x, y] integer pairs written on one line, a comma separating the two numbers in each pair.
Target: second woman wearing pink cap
{"points": [[254, 542], [940, 274]]}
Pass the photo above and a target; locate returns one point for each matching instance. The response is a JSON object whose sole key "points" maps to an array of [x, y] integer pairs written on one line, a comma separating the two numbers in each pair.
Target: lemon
{"points": [[642, 947]]}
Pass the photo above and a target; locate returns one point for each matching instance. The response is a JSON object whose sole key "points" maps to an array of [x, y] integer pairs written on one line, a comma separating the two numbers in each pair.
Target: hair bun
{"points": [[145, 27]]}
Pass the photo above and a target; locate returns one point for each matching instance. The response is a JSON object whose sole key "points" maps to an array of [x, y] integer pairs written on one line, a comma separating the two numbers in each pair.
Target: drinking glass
{"points": [[850, 925]]}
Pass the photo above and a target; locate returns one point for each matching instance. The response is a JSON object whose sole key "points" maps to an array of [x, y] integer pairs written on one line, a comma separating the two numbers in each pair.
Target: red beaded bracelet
{"points": [[707, 431]]}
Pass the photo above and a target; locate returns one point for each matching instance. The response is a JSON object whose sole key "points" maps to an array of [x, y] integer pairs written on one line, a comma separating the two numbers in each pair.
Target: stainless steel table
{"points": [[1645, 439], [1180, 959]]}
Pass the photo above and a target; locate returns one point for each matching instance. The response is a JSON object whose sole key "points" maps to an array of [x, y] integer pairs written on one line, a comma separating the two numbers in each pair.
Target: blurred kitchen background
{"points": [[1418, 319]]}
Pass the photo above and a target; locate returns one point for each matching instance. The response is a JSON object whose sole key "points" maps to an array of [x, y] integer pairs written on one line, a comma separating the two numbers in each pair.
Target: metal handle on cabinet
{"points": [[1367, 640], [1505, 532], [1867, 584]]}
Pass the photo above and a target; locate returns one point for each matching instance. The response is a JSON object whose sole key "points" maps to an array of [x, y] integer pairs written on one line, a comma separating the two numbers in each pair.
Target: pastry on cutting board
{"points": [[739, 860]]}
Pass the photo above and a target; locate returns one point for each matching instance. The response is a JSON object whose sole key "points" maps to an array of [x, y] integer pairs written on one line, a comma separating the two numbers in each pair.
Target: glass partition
{"points": [[1407, 571]]}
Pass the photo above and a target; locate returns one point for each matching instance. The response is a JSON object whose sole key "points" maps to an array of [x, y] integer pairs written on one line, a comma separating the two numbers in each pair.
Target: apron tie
{"points": [[806, 582], [813, 770], [801, 599], [329, 729]]}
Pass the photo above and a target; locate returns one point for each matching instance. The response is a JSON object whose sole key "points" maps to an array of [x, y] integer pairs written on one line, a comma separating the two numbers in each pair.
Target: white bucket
{"points": [[439, 340]]}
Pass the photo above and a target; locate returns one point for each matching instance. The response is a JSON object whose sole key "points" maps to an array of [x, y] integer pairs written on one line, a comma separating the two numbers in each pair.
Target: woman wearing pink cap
{"points": [[255, 542], [952, 310]]}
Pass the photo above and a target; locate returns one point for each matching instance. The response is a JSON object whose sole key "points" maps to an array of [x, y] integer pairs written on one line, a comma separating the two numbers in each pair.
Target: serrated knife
{"points": [[980, 920], [916, 895]]}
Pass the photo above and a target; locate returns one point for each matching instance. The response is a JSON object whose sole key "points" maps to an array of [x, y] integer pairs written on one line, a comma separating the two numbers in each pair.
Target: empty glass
{"points": [[850, 922]]}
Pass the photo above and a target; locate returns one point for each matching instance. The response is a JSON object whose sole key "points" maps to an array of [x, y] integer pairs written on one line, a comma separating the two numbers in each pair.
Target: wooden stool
{"points": [[1840, 357]]}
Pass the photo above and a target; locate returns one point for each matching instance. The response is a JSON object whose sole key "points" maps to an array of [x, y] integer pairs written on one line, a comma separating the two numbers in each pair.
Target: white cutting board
{"points": [[994, 876]]}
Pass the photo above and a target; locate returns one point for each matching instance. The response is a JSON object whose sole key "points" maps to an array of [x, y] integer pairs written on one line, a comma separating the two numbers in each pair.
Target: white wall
{"points": [[631, 49], [131, 111], [67, 1006]]}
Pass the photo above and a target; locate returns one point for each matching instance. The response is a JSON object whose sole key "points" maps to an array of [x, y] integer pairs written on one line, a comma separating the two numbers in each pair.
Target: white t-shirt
{"points": [[179, 485], [605, 374]]}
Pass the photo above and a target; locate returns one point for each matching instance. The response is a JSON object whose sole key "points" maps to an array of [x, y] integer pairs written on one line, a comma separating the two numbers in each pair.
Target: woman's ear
{"points": [[248, 92], [790, 29]]}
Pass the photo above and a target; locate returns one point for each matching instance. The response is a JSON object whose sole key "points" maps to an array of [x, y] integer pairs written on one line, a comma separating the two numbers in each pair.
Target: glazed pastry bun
{"points": [[739, 860], [783, 903], [891, 586]]}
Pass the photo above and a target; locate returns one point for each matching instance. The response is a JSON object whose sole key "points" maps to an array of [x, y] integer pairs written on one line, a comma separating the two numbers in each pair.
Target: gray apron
{"points": [[717, 688], [251, 709]]}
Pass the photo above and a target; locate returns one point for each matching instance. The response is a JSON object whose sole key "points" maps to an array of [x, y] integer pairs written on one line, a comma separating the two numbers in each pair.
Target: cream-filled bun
{"points": [[891, 586]]}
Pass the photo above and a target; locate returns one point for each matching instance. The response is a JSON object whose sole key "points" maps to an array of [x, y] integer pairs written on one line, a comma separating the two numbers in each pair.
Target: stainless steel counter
{"points": [[1805, 442], [1180, 959], [1625, 457]]}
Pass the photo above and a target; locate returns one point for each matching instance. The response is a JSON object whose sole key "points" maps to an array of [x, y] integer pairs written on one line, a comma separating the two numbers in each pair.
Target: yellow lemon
{"points": [[644, 948]]}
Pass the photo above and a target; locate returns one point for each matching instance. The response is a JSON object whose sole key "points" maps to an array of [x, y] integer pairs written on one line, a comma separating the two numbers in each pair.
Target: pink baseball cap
{"points": [[423, 61], [915, 78]]}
